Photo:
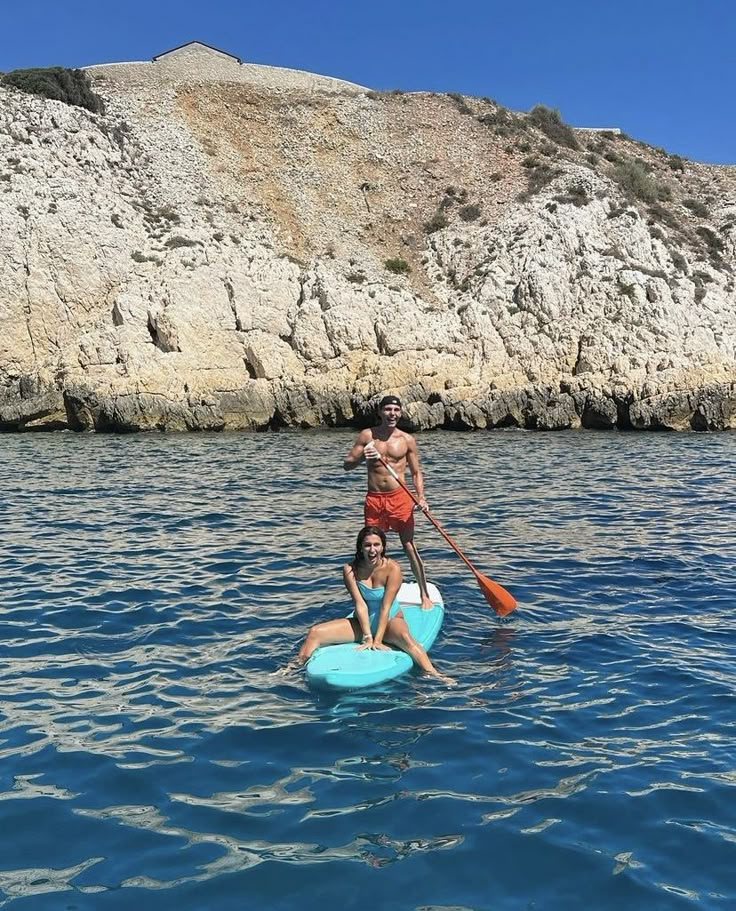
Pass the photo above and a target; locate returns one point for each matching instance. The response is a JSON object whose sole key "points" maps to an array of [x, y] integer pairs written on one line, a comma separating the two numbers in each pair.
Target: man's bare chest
{"points": [[393, 450]]}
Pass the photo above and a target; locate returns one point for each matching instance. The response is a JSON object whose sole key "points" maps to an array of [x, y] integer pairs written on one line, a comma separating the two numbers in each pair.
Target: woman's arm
{"points": [[359, 605], [393, 584]]}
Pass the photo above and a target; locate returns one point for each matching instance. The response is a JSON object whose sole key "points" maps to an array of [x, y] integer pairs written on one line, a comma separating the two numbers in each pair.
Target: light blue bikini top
{"points": [[373, 596]]}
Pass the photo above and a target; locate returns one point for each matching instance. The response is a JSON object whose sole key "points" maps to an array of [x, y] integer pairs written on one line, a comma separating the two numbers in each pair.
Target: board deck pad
{"points": [[343, 667]]}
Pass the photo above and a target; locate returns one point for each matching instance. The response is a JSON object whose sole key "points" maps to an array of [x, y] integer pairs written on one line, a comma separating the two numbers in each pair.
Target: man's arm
{"points": [[412, 460], [356, 456]]}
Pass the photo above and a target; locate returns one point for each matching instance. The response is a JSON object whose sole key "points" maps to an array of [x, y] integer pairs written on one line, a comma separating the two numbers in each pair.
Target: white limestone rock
{"points": [[157, 272]]}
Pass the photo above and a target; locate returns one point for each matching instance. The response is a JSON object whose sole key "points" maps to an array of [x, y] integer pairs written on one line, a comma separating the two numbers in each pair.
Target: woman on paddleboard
{"points": [[373, 581]]}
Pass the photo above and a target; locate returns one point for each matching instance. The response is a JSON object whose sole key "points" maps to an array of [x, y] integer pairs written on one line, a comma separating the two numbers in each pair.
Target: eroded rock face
{"points": [[214, 256]]}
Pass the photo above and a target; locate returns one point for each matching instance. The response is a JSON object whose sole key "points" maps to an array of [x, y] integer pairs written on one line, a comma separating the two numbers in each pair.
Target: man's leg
{"points": [[374, 510], [417, 567]]}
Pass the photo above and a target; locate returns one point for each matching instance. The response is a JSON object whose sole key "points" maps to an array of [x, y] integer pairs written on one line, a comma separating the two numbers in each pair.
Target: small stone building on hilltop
{"points": [[197, 62], [194, 49]]}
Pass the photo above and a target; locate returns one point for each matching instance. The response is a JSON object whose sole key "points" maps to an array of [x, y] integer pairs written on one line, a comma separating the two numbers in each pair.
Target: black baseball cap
{"points": [[389, 400]]}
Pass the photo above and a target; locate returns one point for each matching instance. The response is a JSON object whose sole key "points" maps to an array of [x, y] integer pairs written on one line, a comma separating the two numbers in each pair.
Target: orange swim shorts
{"points": [[392, 510]]}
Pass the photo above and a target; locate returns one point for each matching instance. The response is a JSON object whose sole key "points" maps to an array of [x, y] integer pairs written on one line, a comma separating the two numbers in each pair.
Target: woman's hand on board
{"points": [[371, 643], [380, 646]]}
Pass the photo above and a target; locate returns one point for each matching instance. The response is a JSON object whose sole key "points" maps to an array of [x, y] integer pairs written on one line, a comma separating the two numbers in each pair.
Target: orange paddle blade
{"points": [[501, 601]]}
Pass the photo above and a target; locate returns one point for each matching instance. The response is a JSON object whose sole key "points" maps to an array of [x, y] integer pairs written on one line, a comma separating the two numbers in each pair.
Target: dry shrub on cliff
{"points": [[470, 212], [662, 214], [548, 120], [636, 181], [713, 243], [436, 223], [503, 122], [179, 241], [697, 207], [539, 174], [398, 266], [57, 83], [676, 163], [460, 102], [575, 194]]}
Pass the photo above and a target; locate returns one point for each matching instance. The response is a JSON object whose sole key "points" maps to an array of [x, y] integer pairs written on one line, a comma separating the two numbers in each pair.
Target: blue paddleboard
{"points": [[343, 667]]}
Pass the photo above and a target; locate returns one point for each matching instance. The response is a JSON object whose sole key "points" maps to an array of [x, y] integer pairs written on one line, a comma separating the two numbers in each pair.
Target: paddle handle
{"points": [[431, 518]]}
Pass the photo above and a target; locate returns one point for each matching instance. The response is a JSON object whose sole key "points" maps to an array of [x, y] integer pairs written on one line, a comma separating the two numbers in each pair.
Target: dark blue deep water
{"points": [[150, 759]]}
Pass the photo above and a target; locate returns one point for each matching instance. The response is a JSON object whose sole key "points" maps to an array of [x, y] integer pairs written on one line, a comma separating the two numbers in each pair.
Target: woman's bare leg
{"points": [[331, 632], [397, 633]]}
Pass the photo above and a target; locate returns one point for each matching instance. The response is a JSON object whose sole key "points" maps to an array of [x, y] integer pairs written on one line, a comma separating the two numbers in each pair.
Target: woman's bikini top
{"points": [[373, 596]]}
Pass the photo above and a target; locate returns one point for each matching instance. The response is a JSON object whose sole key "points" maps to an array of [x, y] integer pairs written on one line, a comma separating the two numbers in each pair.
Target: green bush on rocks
{"points": [[635, 180], [58, 84], [397, 265], [548, 120]]}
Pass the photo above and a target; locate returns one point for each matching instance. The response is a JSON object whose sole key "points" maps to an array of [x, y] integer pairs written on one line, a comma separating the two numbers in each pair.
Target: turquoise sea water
{"points": [[150, 759]]}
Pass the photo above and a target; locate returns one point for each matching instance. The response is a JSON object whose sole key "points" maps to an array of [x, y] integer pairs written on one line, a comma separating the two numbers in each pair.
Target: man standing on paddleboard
{"points": [[387, 504]]}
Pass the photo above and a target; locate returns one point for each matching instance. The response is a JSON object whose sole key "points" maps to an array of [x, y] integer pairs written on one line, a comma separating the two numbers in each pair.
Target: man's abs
{"points": [[379, 479]]}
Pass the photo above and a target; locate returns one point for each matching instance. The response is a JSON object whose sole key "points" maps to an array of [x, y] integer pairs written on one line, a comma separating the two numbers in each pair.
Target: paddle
{"points": [[501, 601]]}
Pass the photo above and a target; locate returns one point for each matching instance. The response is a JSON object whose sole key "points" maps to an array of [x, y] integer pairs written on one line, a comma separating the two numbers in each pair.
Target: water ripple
{"points": [[150, 586]]}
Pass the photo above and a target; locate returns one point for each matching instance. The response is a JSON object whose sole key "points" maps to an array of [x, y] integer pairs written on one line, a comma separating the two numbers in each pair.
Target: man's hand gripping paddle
{"points": [[501, 601]]}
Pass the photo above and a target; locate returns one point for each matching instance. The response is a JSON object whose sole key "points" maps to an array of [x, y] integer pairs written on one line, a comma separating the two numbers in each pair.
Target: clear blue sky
{"points": [[663, 71]]}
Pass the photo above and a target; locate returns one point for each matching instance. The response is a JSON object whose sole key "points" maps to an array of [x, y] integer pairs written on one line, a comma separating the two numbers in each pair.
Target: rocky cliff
{"points": [[245, 247]]}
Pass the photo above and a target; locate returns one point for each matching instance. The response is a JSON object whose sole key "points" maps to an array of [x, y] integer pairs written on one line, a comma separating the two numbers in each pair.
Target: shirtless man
{"points": [[387, 504]]}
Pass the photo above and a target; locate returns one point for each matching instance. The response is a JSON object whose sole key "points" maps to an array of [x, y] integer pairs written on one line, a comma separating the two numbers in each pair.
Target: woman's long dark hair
{"points": [[362, 535]]}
